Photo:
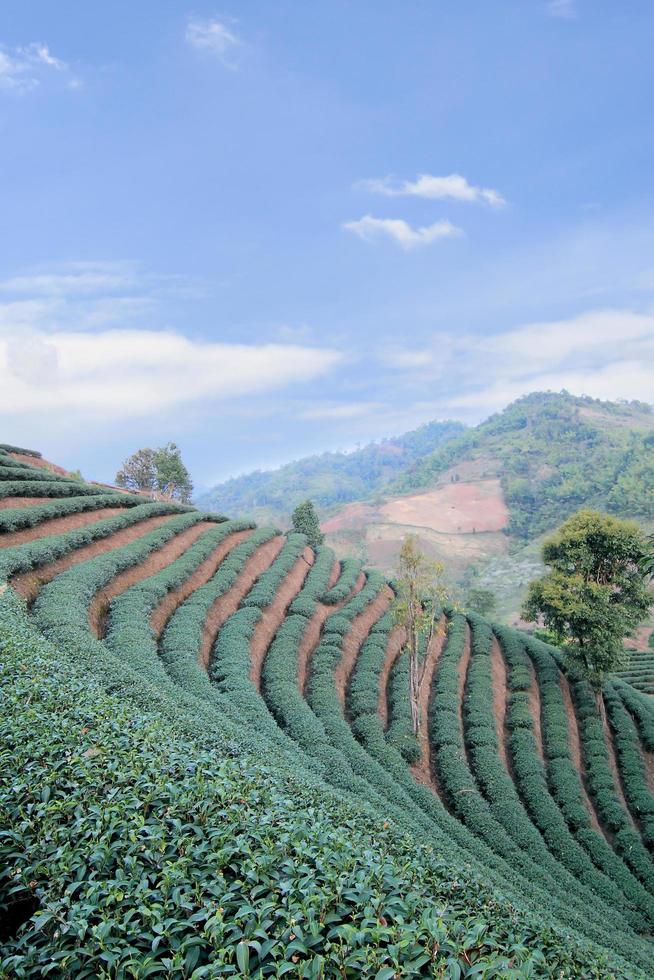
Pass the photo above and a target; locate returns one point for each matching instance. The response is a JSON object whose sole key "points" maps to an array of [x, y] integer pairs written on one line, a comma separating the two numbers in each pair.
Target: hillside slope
{"points": [[209, 767], [330, 479]]}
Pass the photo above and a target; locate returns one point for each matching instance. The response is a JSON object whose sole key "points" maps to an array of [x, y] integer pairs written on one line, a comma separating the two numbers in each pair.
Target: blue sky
{"points": [[269, 228]]}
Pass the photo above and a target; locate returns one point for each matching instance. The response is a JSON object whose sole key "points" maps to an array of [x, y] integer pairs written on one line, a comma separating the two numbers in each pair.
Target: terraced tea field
{"points": [[208, 766]]}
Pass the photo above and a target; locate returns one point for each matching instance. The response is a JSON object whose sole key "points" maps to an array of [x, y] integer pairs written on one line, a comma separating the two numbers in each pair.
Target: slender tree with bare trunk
{"points": [[420, 597]]}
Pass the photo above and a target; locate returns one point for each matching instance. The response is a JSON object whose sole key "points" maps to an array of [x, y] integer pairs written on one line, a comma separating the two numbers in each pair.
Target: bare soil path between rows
{"points": [[154, 563], [396, 641], [535, 708], [57, 525], [274, 614], [227, 604], [29, 583], [313, 631], [574, 741], [40, 463], [11, 503], [423, 771], [355, 637], [615, 771], [498, 679], [162, 613]]}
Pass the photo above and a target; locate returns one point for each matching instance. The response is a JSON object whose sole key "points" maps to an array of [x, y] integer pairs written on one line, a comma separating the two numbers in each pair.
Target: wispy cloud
{"points": [[134, 373], [602, 353], [563, 9], [342, 411], [23, 69], [214, 38], [453, 187], [371, 229]]}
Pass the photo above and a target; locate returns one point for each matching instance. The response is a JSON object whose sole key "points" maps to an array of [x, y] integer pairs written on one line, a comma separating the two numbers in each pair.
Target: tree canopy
{"points": [[594, 594], [159, 472], [305, 520]]}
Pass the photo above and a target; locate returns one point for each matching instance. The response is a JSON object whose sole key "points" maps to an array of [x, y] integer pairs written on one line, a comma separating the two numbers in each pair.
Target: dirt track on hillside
{"points": [[29, 583], [355, 637], [423, 771], [574, 743], [393, 650], [154, 563], [226, 605], [162, 613], [57, 525], [274, 614], [498, 676]]}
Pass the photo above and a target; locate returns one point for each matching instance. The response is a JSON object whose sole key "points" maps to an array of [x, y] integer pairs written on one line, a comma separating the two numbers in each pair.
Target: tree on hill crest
{"points": [[159, 472]]}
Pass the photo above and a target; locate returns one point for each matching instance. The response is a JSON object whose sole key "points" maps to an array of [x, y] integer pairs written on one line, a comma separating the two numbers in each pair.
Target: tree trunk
{"points": [[414, 686]]}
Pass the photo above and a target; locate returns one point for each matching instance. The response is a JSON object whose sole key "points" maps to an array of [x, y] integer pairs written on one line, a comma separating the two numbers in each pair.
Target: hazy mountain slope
{"points": [[328, 479]]}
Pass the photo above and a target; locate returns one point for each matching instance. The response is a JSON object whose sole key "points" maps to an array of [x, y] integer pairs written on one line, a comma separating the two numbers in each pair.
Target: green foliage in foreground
{"points": [[154, 853]]}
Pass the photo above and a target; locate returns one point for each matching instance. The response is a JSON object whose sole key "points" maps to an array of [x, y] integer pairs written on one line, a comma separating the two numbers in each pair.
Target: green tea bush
{"points": [[265, 589], [350, 571], [153, 853]]}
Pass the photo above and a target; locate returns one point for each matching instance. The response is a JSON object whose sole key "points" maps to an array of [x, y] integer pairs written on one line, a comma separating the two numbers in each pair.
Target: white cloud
{"points": [[75, 280], [370, 229], [563, 9], [344, 411], [602, 353], [23, 68], [132, 373], [213, 37], [454, 187]]}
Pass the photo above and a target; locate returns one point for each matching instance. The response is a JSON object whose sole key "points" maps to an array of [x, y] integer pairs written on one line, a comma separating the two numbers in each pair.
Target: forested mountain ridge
{"points": [[329, 479], [554, 453]]}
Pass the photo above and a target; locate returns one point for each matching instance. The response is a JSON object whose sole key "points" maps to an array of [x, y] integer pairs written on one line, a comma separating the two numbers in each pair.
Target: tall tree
{"points": [[159, 472], [420, 596], [646, 564], [138, 472], [173, 478], [594, 594], [305, 520]]}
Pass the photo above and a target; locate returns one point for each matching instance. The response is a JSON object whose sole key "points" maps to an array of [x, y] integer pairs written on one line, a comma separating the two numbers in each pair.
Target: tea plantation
{"points": [[207, 765]]}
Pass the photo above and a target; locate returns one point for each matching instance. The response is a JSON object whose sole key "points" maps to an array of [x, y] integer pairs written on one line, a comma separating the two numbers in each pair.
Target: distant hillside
{"points": [[554, 453], [479, 499], [328, 479]]}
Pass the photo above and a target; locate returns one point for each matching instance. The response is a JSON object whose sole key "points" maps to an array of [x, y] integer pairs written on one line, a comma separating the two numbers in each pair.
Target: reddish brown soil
{"points": [[648, 762], [57, 525], [312, 633], [613, 765], [10, 502], [354, 638], [29, 583], [498, 675], [226, 605], [423, 771], [393, 649], [534, 707], [460, 508], [162, 613], [575, 750], [273, 615], [462, 672], [154, 563], [40, 463]]}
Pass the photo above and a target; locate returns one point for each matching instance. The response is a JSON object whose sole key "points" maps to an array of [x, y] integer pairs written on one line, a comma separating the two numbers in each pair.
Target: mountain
{"points": [[481, 500], [209, 766], [329, 479]]}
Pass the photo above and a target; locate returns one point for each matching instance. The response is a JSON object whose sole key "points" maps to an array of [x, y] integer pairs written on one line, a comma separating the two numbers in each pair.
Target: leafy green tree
{"points": [[138, 472], [482, 601], [173, 480], [594, 595], [305, 520], [420, 596], [159, 472], [646, 563]]}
